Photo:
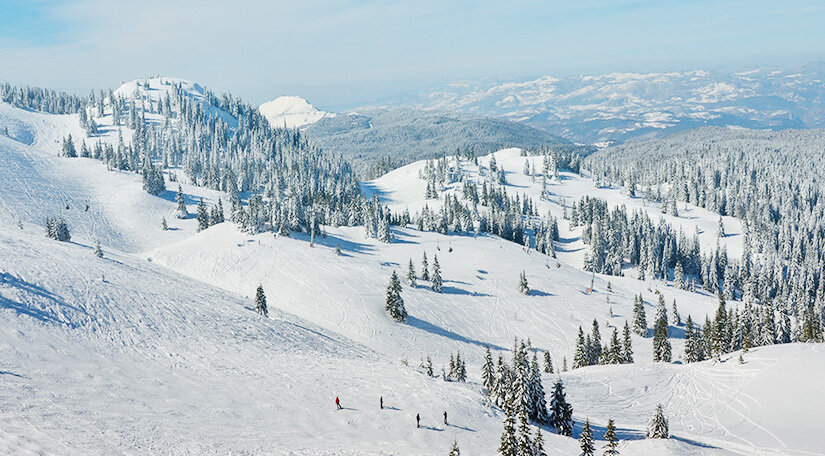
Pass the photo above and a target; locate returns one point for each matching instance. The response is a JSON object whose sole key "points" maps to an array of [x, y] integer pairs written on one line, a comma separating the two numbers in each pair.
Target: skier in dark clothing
{"points": [[338, 403], [417, 420], [445, 417], [381, 401]]}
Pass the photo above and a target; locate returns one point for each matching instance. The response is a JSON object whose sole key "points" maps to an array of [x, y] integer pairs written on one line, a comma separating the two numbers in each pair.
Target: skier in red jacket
{"points": [[338, 403]]}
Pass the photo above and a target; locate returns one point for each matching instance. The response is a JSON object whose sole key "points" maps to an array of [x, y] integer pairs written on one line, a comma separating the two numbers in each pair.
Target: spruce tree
{"points": [[180, 211], [436, 279], [611, 447], [488, 375], [203, 216], [639, 318], [454, 451], [658, 428], [661, 344], [523, 288], [98, 250], [525, 437], [627, 345], [509, 442], [582, 356], [395, 304], [411, 274], [163, 224], [586, 440], [548, 363], [538, 403], [561, 413], [425, 274], [260, 301]]}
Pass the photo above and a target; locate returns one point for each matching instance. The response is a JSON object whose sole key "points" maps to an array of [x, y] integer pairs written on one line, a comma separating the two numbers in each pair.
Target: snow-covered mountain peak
{"points": [[292, 112], [154, 88]]}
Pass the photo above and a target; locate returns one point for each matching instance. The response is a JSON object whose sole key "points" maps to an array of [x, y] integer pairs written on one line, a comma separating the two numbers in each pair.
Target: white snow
{"points": [[291, 112]]}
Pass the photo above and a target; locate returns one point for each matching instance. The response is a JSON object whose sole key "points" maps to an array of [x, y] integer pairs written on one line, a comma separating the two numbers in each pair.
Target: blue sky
{"points": [[341, 54]]}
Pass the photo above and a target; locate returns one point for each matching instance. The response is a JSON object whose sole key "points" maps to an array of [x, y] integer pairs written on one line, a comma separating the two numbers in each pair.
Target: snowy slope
{"points": [[402, 188], [150, 362], [291, 112], [36, 183]]}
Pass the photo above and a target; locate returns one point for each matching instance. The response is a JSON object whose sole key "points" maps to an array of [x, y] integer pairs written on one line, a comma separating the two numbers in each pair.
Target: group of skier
{"points": [[381, 405]]}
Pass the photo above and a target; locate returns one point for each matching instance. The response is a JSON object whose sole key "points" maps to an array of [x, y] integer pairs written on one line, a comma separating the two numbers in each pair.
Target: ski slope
{"points": [[155, 349]]}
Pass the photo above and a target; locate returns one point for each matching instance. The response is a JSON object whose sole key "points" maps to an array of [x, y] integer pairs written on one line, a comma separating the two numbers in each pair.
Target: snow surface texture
{"points": [[291, 112], [155, 348], [622, 106]]}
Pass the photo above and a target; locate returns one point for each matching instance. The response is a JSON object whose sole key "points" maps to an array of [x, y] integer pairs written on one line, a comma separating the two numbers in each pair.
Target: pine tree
{"points": [[677, 319], [509, 442], [425, 274], [586, 440], [181, 211], [615, 355], [525, 437], [658, 428], [661, 311], [411, 274], [260, 301], [395, 304], [436, 279], [163, 224], [595, 351], [538, 403], [548, 363], [523, 288], [98, 250], [627, 345], [454, 451], [721, 338], [639, 318], [611, 447], [488, 375], [582, 356], [661, 344], [428, 367], [690, 344], [561, 413], [203, 216]]}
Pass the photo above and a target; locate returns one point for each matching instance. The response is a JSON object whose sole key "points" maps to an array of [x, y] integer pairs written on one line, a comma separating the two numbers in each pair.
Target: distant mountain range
{"points": [[618, 107]]}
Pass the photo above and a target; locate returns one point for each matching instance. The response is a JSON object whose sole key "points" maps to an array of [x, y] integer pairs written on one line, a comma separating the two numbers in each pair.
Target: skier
{"points": [[382, 402], [445, 417], [338, 403], [417, 420]]}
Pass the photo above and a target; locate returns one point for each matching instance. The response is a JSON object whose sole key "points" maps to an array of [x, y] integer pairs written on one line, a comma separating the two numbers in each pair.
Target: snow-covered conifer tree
{"points": [[561, 413], [611, 447], [411, 274], [658, 428], [523, 288], [180, 211], [586, 440], [260, 301], [395, 304], [436, 279]]}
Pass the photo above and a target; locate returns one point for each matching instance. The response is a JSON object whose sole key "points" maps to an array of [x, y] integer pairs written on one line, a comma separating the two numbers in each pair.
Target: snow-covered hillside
{"points": [[155, 348], [621, 106], [291, 112], [404, 189]]}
